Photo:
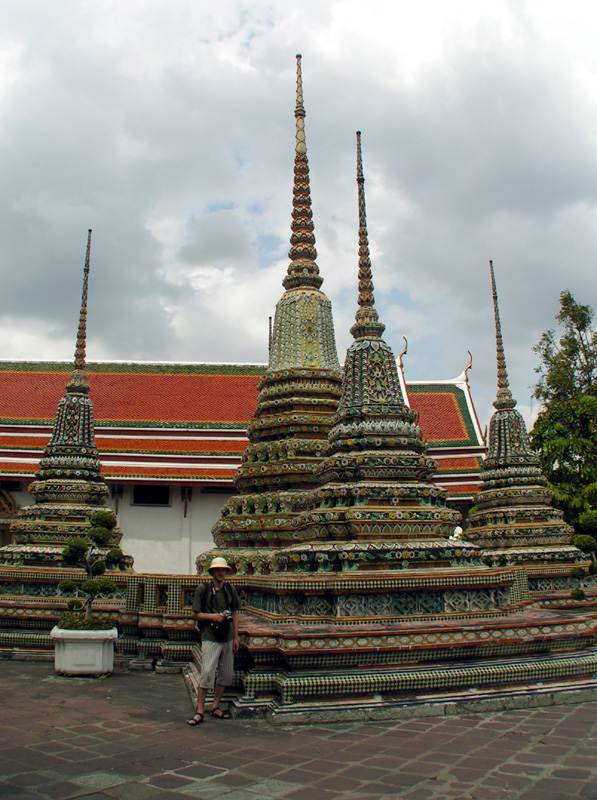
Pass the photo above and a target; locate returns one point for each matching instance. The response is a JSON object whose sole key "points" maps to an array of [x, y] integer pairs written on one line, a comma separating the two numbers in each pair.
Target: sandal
{"points": [[218, 713], [196, 720]]}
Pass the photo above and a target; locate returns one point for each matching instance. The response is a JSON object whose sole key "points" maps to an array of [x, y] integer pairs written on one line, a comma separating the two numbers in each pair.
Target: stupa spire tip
{"points": [[77, 380], [504, 397], [367, 324], [303, 270]]}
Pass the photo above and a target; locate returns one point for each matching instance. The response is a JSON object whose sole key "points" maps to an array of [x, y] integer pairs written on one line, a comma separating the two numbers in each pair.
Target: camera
{"points": [[227, 615]]}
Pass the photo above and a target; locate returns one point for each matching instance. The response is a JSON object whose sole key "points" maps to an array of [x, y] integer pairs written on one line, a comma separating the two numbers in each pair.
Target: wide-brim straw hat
{"points": [[218, 563]]}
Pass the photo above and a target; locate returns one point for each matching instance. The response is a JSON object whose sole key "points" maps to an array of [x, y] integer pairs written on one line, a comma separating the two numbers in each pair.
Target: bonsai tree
{"points": [[587, 523], [586, 543], [90, 554]]}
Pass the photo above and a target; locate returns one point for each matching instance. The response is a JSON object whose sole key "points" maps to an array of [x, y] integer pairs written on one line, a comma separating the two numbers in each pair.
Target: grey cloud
{"points": [[484, 153], [216, 239]]}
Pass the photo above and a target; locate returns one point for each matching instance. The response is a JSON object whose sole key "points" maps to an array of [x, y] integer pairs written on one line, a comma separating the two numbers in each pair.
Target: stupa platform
{"points": [[325, 672], [444, 690]]}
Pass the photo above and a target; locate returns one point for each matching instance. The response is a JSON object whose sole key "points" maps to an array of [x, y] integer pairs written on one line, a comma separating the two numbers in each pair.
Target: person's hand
{"points": [[218, 617], [235, 645]]}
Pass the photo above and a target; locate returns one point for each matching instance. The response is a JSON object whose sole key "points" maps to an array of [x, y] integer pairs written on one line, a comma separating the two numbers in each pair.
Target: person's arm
{"points": [[235, 609], [203, 617], [235, 644]]}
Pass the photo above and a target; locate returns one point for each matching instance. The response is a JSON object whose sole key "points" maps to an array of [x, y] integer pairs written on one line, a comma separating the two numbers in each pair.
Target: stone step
{"points": [[425, 690]]}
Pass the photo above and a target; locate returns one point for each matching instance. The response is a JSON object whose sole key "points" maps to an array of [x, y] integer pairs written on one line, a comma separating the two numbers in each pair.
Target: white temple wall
{"points": [[160, 538]]}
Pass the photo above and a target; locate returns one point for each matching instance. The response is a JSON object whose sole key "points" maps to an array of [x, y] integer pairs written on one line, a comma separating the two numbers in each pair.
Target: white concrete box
{"points": [[83, 652]]}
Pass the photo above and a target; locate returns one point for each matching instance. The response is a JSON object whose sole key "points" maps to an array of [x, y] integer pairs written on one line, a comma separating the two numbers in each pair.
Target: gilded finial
{"points": [[299, 113], [404, 352], [367, 324], [504, 397], [469, 365], [78, 381], [302, 271]]}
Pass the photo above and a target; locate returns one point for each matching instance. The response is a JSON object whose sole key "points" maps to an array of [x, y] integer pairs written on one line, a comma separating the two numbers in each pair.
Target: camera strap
{"points": [[213, 597]]}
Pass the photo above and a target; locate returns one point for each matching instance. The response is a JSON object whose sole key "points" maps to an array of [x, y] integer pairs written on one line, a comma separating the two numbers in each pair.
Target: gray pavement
{"points": [[125, 737]]}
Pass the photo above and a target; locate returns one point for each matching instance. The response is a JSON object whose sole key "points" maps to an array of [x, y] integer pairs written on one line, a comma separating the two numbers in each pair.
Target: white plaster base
{"points": [[83, 652]]}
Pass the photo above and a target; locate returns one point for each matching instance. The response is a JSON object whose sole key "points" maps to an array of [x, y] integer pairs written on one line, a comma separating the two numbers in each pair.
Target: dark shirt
{"points": [[209, 601]]}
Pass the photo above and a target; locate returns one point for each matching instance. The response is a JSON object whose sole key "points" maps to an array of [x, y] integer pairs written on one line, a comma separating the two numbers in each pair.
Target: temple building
{"points": [[170, 438], [179, 442]]}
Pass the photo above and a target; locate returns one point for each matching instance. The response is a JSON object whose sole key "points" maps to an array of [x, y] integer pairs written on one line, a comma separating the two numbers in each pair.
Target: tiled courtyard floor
{"points": [[126, 737]]}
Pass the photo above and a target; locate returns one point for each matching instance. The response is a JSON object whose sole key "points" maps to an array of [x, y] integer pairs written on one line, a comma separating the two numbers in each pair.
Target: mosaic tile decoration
{"points": [[291, 688]]}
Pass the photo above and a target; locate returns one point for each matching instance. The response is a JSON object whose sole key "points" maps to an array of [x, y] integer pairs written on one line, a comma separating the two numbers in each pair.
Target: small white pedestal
{"points": [[83, 652]]}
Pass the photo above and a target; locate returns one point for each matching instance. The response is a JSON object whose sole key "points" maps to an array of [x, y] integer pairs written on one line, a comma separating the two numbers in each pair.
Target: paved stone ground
{"points": [[126, 737]]}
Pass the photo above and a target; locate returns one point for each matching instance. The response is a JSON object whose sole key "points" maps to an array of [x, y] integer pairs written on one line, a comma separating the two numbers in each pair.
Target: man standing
{"points": [[215, 608]]}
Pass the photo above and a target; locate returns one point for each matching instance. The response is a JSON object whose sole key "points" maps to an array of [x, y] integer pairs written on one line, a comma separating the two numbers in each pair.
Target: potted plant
{"points": [[84, 642]]}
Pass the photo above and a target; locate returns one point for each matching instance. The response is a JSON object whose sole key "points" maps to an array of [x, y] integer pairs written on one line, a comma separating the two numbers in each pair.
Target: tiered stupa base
{"points": [[42, 531], [342, 556], [358, 597], [529, 541], [388, 669], [533, 555]]}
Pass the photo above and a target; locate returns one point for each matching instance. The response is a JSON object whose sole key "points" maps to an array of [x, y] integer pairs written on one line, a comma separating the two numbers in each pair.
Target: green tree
{"points": [[565, 433], [90, 554]]}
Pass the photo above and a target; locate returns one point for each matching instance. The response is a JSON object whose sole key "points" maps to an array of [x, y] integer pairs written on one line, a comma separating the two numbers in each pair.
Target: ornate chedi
{"points": [[377, 505], [514, 520], [374, 544], [68, 488], [298, 396]]}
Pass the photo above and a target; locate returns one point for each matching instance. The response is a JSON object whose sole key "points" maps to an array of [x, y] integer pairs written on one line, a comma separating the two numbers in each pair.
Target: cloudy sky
{"points": [[167, 126]]}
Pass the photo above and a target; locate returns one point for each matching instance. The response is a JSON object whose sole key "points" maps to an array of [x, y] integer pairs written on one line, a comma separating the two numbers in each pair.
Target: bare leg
{"points": [[198, 718], [201, 693], [218, 692]]}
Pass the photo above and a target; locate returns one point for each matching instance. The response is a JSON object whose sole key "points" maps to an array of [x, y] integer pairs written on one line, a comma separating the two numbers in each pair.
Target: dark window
{"points": [[161, 596], [6, 537], [187, 597], [10, 486], [151, 495]]}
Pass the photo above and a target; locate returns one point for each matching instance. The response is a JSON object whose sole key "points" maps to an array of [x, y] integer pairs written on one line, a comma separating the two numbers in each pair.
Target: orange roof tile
{"points": [[444, 415], [459, 464], [134, 397], [187, 421]]}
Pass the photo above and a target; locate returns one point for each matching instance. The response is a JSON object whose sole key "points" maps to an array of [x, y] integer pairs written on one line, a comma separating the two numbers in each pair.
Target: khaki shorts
{"points": [[216, 656]]}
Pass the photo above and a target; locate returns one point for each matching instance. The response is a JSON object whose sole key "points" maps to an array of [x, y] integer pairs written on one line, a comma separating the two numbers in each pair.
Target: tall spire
{"points": [[70, 469], [504, 397], [68, 486], [367, 324], [298, 397], [302, 271], [514, 520], [375, 499], [78, 381], [299, 112]]}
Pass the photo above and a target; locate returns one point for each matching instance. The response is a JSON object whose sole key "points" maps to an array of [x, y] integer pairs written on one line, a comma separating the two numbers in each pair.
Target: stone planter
{"points": [[83, 652]]}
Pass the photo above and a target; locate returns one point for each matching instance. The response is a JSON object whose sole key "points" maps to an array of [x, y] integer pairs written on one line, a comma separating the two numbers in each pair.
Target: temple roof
{"points": [[186, 422]]}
